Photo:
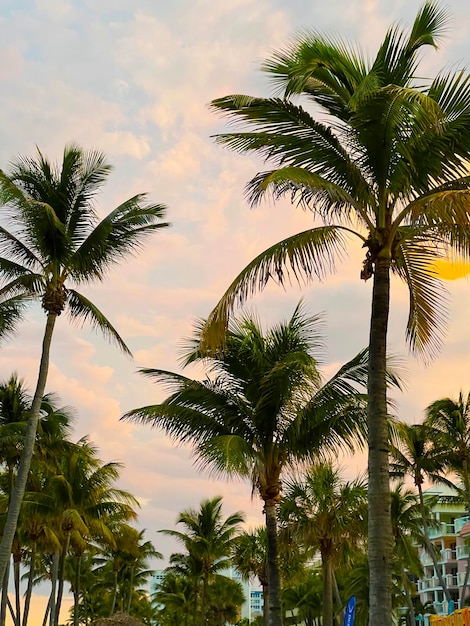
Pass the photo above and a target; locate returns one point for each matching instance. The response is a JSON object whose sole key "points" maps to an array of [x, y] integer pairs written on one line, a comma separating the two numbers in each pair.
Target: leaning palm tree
{"points": [[51, 239], [208, 539], [383, 159], [261, 409]]}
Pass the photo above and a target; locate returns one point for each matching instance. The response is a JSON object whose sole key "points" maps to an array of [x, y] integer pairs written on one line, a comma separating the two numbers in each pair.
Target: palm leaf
{"points": [[11, 314], [120, 233], [307, 254], [428, 297], [287, 135], [83, 310]]}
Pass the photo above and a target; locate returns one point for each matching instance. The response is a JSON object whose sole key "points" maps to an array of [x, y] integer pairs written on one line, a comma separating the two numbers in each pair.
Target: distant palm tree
{"points": [[408, 535], [418, 455], [261, 409], [328, 514], [450, 421], [51, 238], [86, 502], [208, 539], [250, 557], [381, 158]]}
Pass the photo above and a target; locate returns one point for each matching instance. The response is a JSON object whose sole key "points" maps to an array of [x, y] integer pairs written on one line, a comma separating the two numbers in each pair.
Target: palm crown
{"points": [[55, 237], [387, 163]]}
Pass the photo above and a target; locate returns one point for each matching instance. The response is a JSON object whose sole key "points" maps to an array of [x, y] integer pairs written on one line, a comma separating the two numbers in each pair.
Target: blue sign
{"points": [[350, 610]]}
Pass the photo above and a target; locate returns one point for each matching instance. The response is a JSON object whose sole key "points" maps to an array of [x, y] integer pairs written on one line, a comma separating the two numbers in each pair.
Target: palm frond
{"points": [[287, 135], [396, 60], [122, 232], [11, 314], [83, 310], [309, 190], [428, 297], [302, 256]]}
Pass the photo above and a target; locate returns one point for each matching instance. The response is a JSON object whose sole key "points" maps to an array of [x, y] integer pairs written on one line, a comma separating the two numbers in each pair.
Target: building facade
{"points": [[449, 536]]}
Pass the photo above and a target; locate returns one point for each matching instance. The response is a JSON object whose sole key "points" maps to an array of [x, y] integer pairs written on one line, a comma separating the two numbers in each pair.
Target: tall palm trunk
{"points": [[131, 588], [115, 588], [30, 436], [17, 577], [327, 599], [430, 548], [274, 581], [379, 527], [54, 576], [3, 605], [265, 590], [61, 577], [76, 593], [29, 589]]}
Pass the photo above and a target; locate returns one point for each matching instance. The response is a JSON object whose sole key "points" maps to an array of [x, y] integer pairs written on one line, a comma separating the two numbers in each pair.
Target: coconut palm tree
{"points": [[450, 421], [261, 409], [52, 239], [329, 514], [208, 539], [408, 535], [417, 454], [382, 158], [250, 557], [86, 504]]}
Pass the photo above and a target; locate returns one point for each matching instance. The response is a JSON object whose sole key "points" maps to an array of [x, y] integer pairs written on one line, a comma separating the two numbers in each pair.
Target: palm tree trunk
{"points": [[265, 590], [46, 612], [430, 548], [379, 527], [3, 607], [113, 603], [131, 589], [327, 599], [274, 582], [29, 589], [61, 577], [76, 595], [337, 596], [16, 574], [54, 576], [16, 498]]}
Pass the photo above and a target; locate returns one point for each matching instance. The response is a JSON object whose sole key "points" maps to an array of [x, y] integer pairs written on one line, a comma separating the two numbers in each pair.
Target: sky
{"points": [[133, 78]]}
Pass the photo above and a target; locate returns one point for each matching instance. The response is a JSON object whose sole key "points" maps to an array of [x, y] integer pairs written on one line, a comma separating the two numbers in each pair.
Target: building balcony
{"points": [[460, 523], [463, 552], [442, 530], [447, 555], [432, 583]]}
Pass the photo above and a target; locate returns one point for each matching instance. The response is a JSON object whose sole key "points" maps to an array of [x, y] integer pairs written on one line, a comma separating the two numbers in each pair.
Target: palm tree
{"points": [[417, 454], [54, 239], [250, 557], [328, 514], [14, 405], [387, 165], [208, 539], [450, 421], [86, 503], [262, 408], [408, 535]]}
